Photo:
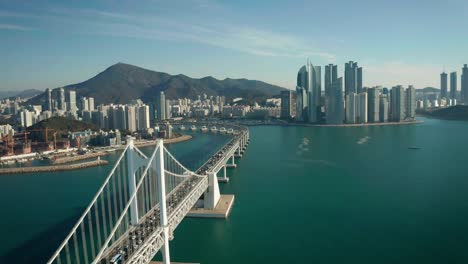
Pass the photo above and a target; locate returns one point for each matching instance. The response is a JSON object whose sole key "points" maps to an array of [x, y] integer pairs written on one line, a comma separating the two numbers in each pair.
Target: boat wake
{"points": [[363, 140]]}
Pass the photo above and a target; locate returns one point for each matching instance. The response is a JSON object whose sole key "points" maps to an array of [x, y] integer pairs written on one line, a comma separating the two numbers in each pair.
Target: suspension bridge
{"points": [[141, 202]]}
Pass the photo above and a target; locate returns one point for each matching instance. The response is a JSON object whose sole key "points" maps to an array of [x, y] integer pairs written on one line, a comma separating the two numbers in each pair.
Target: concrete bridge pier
{"points": [[212, 194], [224, 178], [239, 152], [232, 164]]}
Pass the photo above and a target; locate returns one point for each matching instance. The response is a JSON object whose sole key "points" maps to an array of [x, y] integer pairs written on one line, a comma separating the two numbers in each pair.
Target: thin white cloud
{"points": [[406, 73], [14, 27], [242, 38]]}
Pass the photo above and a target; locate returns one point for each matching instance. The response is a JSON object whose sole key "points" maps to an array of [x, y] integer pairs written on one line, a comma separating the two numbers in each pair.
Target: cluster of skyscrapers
{"points": [[66, 102], [451, 96], [354, 104]]}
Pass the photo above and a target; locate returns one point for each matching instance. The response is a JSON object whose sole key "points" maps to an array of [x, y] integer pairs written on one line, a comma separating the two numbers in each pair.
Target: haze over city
{"points": [[48, 44]]}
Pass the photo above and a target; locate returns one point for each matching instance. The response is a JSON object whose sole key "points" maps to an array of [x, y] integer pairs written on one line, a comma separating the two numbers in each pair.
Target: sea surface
{"points": [[390, 194]]}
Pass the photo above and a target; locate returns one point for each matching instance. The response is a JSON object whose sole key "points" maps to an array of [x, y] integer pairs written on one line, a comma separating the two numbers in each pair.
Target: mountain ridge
{"points": [[122, 82], [23, 93]]}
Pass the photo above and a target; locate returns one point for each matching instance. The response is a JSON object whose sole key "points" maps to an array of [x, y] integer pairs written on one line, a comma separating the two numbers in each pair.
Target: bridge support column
{"points": [[162, 201], [224, 170], [212, 195], [233, 164], [131, 180]]}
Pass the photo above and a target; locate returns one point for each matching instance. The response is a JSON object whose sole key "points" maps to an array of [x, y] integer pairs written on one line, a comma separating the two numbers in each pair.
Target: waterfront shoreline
{"points": [[338, 125], [165, 141], [54, 168]]}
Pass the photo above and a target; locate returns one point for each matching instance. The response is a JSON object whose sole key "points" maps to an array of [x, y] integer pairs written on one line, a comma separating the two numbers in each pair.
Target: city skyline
{"points": [[76, 40]]}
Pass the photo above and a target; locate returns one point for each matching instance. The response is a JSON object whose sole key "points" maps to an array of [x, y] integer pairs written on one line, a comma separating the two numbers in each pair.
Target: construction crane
{"points": [[26, 145], [46, 134], [55, 140], [8, 145], [22, 133]]}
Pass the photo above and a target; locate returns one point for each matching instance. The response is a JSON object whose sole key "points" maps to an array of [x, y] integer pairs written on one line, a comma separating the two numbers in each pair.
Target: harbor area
{"points": [[222, 210]]}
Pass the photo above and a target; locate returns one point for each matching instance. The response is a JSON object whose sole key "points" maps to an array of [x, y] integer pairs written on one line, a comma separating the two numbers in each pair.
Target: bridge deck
{"points": [[143, 239]]}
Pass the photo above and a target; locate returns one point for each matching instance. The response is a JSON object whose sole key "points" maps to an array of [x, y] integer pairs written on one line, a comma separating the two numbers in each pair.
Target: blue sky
{"points": [[54, 43]]}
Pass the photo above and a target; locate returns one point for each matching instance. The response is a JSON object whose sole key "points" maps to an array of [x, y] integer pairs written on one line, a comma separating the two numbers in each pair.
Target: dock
{"points": [[222, 210], [54, 168]]}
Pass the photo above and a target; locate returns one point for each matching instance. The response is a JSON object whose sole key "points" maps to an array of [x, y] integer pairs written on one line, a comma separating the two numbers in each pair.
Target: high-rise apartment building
{"points": [[330, 76], [350, 108], [373, 103], [143, 120], [453, 85], [335, 103], [168, 109], [359, 80], [383, 108], [443, 85], [61, 105], [302, 97], [308, 93], [361, 108], [131, 118], [71, 101], [301, 104], [161, 106], [410, 103], [26, 118], [315, 90], [91, 104], [287, 104], [353, 78], [49, 106], [397, 104], [464, 84], [84, 104]]}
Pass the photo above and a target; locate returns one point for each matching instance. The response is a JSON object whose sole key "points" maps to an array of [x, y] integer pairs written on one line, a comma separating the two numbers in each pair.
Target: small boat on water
{"points": [[193, 128], [413, 147], [182, 127], [230, 131], [204, 129], [214, 129], [222, 130]]}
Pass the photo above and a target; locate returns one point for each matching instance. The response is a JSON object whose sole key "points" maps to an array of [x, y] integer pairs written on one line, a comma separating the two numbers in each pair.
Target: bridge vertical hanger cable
{"points": [[77, 253], [104, 218], [114, 195], [98, 228], [67, 253], [109, 210], [119, 189], [91, 235], [83, 240]]}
